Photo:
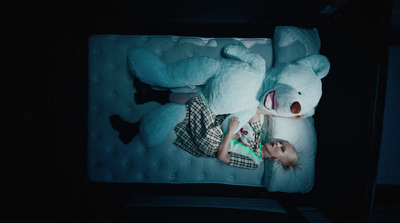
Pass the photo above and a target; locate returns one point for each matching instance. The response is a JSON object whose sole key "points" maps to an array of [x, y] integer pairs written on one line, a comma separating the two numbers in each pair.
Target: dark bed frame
{"points": [[348, 121]]}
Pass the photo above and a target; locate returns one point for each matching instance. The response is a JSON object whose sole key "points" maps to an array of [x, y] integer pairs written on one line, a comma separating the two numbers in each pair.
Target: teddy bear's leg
{"points": [[157, 124], [243, 117], [239, 52], [145, 65]]}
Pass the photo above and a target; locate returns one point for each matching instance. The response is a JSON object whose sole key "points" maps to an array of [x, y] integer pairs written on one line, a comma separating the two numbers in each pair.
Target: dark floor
{"points": [[201, 215], [55, 188]]}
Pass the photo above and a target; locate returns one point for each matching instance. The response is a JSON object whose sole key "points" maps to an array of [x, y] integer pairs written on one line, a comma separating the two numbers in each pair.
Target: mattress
{"points": [[111, 92]]}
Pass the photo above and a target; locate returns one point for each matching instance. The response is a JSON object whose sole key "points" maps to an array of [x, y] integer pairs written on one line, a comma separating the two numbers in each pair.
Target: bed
{"points": [[111, 92]]}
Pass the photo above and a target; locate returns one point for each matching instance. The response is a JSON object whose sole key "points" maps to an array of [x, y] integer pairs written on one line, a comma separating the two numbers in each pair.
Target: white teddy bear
{"points": [[236, 85]]}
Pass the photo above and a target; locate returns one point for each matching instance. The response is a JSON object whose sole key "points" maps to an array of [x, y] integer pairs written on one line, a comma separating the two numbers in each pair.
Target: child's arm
{"points": [[263, 112], [223, 148], [256, 117]]}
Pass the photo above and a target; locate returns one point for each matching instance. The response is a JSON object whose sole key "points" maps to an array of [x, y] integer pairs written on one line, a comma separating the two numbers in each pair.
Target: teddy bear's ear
{"points": [[319, 63]]}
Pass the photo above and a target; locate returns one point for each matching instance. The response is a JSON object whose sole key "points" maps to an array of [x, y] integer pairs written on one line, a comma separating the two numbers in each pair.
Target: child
{"points": [[283, 152], [201, 134]]}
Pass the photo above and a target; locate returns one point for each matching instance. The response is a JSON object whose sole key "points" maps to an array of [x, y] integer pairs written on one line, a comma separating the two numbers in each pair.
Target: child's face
{"points": [[276, 149]]}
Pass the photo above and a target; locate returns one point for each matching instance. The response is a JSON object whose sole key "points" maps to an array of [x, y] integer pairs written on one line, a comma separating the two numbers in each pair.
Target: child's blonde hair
{"points": [[290, 160]]}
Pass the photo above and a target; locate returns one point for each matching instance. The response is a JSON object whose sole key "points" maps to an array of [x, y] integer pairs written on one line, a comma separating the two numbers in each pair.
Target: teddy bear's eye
{"points": [[299, 93]]}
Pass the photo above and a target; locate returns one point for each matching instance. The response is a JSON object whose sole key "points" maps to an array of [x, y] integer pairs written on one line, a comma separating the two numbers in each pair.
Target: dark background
{"points": [[46, 174]]}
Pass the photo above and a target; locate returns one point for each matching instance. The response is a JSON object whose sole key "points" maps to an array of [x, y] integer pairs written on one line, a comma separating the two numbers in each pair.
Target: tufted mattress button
{"points": [[173, 176], [114, 67], [96, 136], [114, 150], [95, 163], [109, 176], [144, 177], [175, 38], [128, 164], [113, 176], [124, 162], [114, 94], [97, 108], [109, 149], [129, 109], [98, 80]]}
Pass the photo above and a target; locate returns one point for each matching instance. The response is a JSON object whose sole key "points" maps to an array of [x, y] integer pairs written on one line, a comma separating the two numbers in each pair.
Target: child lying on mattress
{"points": [[201, 134]]}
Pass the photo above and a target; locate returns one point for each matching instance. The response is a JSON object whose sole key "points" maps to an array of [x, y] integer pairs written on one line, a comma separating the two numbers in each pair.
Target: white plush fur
{"points": [[157, 124], [234, 85], [296, 82]]}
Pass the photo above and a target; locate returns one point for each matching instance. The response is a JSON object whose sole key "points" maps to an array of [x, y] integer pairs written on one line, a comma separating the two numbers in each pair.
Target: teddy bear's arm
{"points": [[239, 52], [243, 117], [150, 69]]}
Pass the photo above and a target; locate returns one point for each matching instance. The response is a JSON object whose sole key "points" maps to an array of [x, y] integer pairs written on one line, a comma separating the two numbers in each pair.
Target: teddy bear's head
{"points": [[292, 89]]}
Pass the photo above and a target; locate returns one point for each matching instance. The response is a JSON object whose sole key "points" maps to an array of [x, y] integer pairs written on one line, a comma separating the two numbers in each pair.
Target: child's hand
{"points": [[298, 117], [233, 124]]}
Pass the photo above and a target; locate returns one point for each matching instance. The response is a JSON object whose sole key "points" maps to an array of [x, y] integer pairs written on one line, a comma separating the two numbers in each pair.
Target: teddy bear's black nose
{"points": [[295, 108]]}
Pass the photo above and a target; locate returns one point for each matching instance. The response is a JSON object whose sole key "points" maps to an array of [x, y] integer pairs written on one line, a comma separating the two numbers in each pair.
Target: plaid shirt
{"points": [[200, 134]]}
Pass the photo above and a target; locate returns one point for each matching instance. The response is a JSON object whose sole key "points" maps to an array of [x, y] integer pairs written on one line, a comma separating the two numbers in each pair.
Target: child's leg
{"points": [[144, 93], [181, 98], [127, 131]]}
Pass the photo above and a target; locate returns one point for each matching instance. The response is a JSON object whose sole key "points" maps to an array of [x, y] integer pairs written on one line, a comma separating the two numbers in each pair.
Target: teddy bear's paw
{"points": [[233, 50]]}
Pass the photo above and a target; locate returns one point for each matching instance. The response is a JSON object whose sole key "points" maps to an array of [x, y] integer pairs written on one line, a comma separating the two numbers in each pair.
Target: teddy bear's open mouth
{"points": [[270, 101]]}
